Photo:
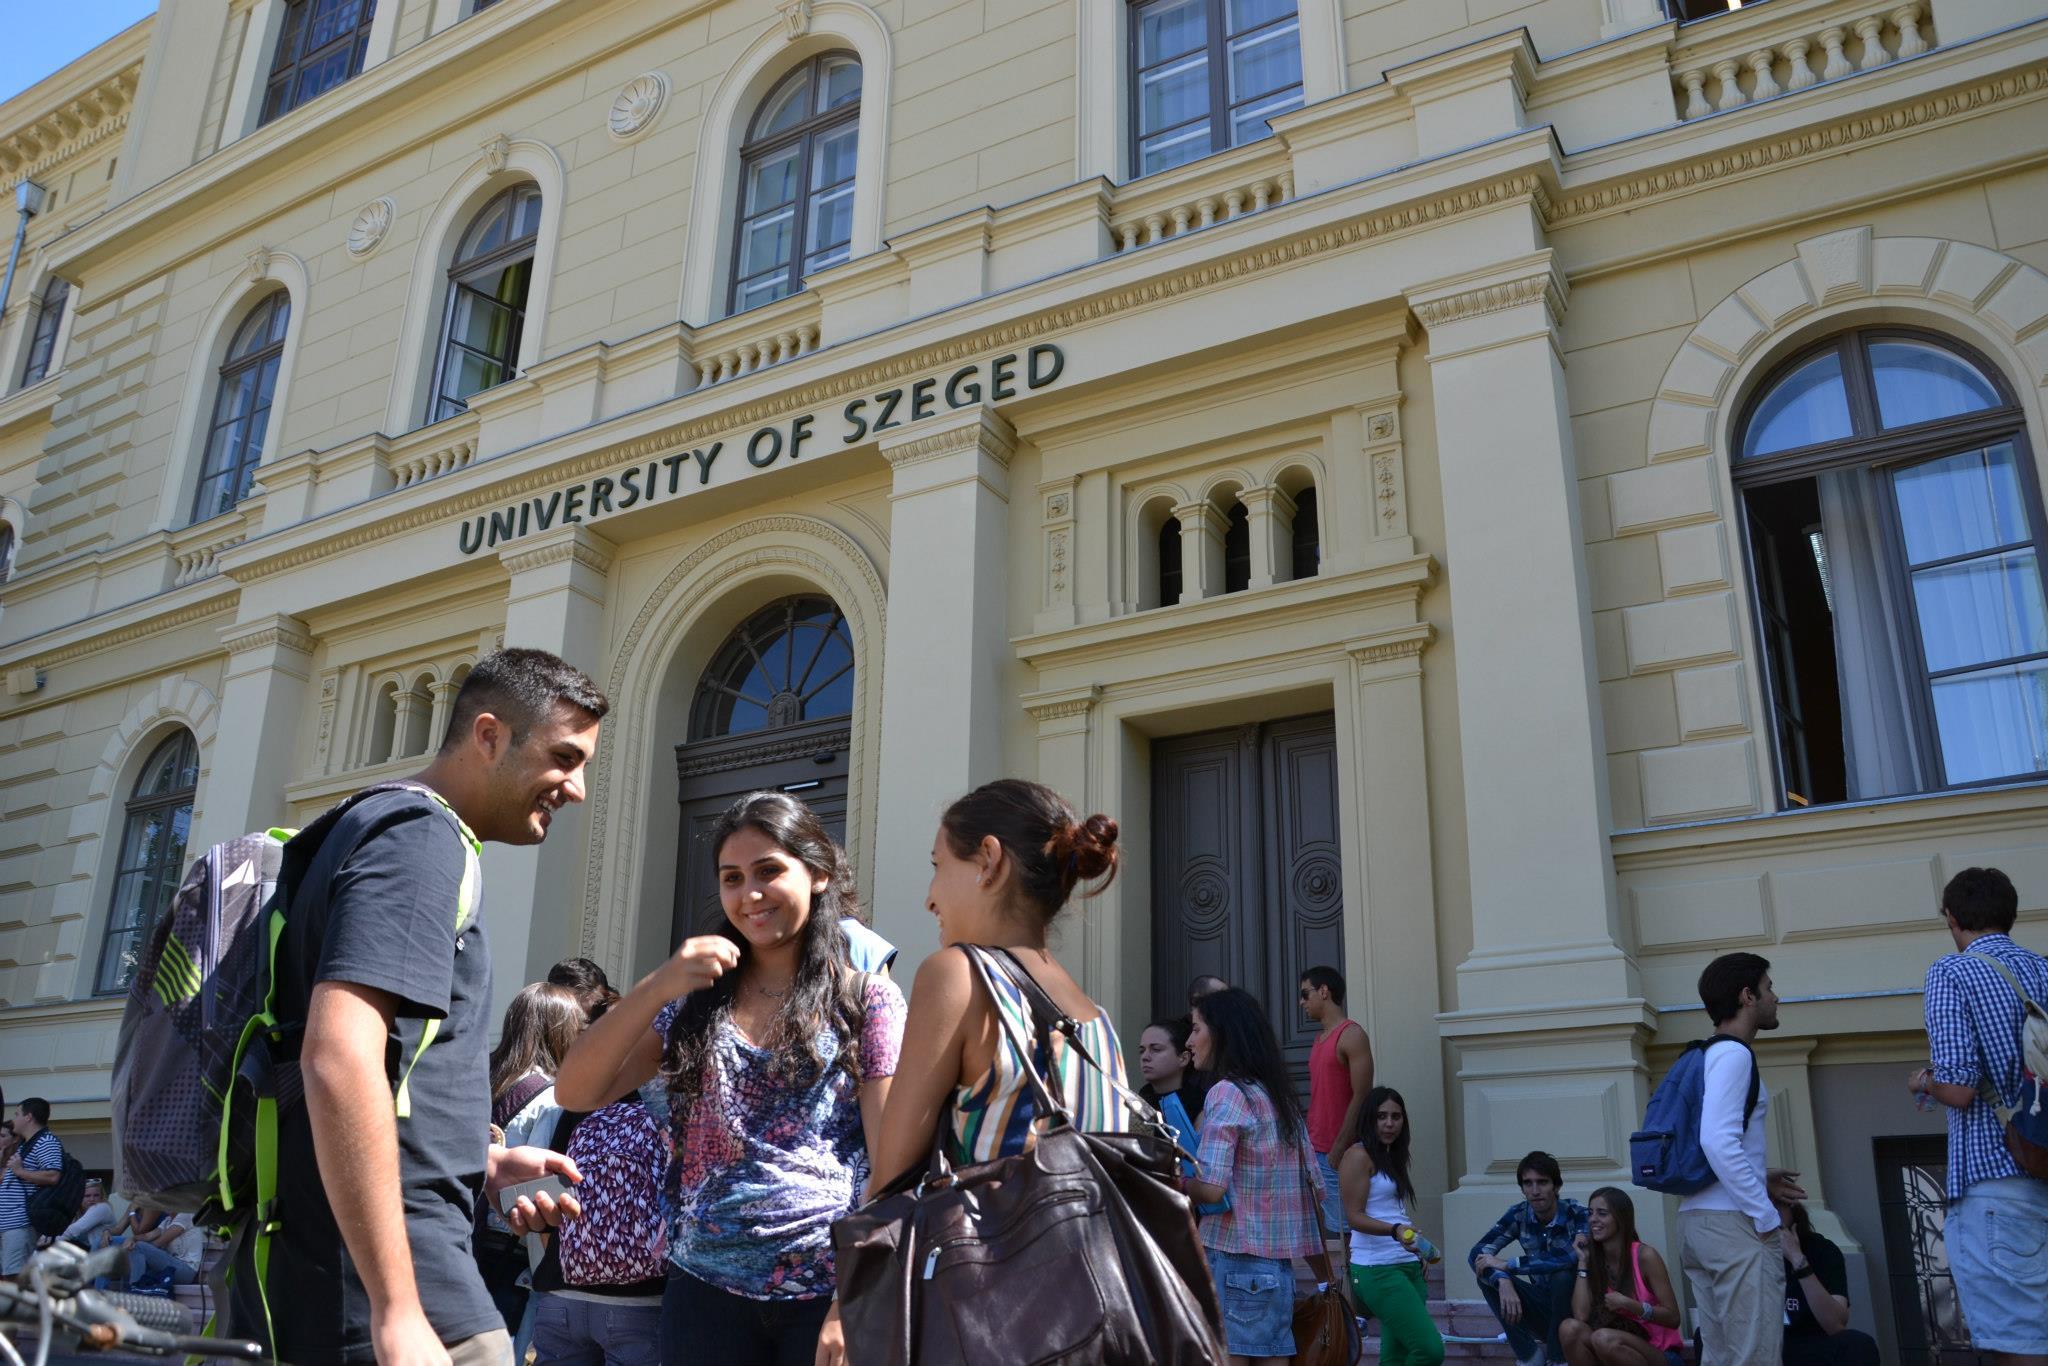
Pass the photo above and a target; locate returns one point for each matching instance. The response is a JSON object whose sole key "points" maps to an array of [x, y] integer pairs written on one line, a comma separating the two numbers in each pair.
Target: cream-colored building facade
{"points": [[1494, 301]]}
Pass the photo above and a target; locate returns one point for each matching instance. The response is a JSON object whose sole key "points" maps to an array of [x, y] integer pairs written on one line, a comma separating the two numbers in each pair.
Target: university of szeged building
{"points": [[1511, 499]]}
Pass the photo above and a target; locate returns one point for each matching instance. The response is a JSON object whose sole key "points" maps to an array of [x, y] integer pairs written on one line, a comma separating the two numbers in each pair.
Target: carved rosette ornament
{"points": [[639, 102], [371, 223]]}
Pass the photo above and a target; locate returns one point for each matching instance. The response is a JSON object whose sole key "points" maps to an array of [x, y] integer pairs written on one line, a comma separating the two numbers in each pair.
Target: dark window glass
{"points": [[795, 212], [788, 663], [42, 343], [157, 823], [241, 408], [1894, 531], [1207, 74], [487, 287], [1307, 540], [319, 45], [1169, 562], [1237, 550], [6, 552]]}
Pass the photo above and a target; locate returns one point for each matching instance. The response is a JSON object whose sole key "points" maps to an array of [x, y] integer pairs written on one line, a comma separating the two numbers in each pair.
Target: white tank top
{"points": [[1377, 1249]]}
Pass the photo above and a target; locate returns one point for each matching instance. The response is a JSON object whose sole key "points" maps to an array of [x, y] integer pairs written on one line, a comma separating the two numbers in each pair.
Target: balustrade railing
{"points": [[1779, 54]]}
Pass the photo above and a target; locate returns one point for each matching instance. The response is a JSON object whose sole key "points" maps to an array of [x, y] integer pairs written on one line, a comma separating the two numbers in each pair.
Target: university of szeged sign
{"points": [[994, 380]]}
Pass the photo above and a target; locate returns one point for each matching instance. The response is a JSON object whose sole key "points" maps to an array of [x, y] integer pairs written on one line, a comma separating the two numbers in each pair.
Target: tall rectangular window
{"points": [[1207, 74], [319, 45]]}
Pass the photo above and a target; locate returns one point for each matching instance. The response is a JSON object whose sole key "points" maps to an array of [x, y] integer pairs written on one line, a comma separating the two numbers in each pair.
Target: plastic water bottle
{"points": [[1420, 1246]]}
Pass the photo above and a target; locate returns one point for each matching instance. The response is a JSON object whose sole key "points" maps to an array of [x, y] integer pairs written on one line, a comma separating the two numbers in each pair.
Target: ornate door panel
{"points": [[1246, 873]]}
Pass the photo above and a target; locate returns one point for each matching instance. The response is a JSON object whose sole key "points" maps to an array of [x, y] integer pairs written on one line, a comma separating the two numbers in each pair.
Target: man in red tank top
{"points": [[1339, 1075]]}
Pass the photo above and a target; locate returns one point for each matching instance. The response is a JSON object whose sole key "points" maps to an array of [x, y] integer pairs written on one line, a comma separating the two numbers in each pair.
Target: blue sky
{"points": [[56, 32]]}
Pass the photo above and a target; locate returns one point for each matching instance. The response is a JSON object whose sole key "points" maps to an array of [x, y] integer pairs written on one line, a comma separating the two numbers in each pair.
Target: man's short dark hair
{"points": [[587, 980], [1543, 1164], [1322, 976], [37, 1109], [522, 688], [1205, 984], [1726, 978], [1983, 900]]}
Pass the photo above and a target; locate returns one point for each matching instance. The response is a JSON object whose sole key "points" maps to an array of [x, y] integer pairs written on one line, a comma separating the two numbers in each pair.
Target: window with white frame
{"points": [[1205, 75], [795, 211], [320, 44], [42, 342], [486, 311], [1893, 517], [156, 823], [241, 408]]}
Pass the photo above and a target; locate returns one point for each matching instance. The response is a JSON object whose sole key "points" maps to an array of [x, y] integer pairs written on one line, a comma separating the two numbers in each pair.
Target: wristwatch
{"points": [[1802, 1271]]}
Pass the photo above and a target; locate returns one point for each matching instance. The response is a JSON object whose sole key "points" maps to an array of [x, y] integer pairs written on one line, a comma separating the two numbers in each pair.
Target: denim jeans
{"points": [[1546, 1303], [148, 1259], [569, 1330], [1997, 1239], [701, 1322]]}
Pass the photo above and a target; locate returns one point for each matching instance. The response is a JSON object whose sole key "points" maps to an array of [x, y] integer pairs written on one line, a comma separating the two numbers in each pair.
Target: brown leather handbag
{"points": [[1325, 1331], [1081, 1251]]}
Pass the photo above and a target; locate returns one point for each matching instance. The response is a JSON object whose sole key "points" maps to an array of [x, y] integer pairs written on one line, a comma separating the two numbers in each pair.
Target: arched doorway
{"points": [[774, 709]]}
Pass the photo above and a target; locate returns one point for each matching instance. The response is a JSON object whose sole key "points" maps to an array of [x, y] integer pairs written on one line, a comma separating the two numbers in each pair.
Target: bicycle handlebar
{"points": [[57, 1285]]}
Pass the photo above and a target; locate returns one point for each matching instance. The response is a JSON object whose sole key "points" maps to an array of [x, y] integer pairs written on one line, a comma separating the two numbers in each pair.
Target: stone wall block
{"points": [[1696, 782], [1693, 558], [1711, 701], [1778, 295], [1680, 429], [1718, 912], [1967, 274], [1688, 630], [1662, 495], [1696, 373], [1847, 899], [1904, 265], [2021, 303], [1838, 265], [1730, 329]]}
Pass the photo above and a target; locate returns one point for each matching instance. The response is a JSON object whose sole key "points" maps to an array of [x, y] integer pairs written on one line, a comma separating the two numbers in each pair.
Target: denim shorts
{"points": [[1258, 1303], [1997, 1239]]}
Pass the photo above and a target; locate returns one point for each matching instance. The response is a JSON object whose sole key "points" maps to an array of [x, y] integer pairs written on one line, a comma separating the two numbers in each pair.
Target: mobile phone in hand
{"points": [[553, 1185]]}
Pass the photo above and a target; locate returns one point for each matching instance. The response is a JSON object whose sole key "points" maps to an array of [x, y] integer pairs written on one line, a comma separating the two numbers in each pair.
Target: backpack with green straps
{"points": [[199, 1071]]}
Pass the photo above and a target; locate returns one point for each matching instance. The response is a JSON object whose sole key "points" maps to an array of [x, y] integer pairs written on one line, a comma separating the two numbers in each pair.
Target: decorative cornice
{"points": [[1055, 706], [983, 429], [1795, 147], [281, 631], [75, 126], [1493, 298], [155, 625], [583, 549], [795, 747], [1404, 642], [799, 398]]}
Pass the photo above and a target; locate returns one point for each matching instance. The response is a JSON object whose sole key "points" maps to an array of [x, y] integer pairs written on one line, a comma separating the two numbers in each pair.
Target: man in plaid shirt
{"points": [[1532, 1294], [1998, 1217]]}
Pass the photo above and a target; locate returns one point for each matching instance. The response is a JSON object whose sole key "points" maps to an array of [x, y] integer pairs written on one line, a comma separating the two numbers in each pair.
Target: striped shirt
{"points": [[1973, 1036], [43, 1153], [992, 1118], [1273, 1210]]}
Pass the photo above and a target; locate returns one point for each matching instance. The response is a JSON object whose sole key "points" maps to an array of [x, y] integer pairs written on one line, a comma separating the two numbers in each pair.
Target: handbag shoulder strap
{"points": [[1319, 1260], [1048, 1018]]}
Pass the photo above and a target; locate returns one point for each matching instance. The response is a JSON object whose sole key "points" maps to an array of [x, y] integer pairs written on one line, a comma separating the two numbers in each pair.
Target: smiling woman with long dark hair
{"points": [[777, 1056], [1386, 1276]]}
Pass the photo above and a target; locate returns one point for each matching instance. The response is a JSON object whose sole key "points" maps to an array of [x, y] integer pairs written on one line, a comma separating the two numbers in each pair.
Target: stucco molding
{"points": [[638, 105], [75, 126], [805, 548], [582, 550], [1060, 705], [1632, 191], [1493, 298], [366, 233], [155, 624], [798, 398], [1404, 642], [175, 698], [981, 429], [276, 631]]}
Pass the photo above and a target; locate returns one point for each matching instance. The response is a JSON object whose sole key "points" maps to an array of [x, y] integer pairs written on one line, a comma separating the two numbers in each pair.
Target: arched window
{"points": [[796, 181], [1170, 580], [486, 313], [1306, 540], [6, 552], [241, 408], [1237, 549], [788, 663], [42, 343], [1207, 74], [1894, 528], [158, 820], [320, 44]]}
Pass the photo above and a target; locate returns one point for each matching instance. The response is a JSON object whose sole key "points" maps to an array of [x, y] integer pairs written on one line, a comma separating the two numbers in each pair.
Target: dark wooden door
{"points": [[1247, 875], [807, 761]]}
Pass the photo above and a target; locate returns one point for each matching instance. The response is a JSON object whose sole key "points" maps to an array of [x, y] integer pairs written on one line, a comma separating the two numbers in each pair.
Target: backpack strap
{"points": [[1755, 1079], [1986, 1089]]}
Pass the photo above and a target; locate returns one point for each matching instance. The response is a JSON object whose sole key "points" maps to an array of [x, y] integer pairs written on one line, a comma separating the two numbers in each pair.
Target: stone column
{"points": [[1066, 721], [533, 894], [263, 709], [404, 732], [1546, 959], [946, 650], [1201, 551], [1270, 519]]}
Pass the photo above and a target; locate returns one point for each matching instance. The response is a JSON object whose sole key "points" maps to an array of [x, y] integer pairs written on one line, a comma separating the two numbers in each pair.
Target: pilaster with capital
{"points": [[1269, 515], [1546, 954], [560, 585], [264, 704], [946, 646], [1201, 550]]}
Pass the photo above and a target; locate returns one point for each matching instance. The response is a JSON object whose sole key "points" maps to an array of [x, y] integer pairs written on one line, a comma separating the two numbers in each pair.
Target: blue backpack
{"points": [[1665, 1154]]}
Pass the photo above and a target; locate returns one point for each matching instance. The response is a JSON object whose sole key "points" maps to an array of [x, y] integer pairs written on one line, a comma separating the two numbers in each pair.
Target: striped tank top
{"points": [[992, 1118]]}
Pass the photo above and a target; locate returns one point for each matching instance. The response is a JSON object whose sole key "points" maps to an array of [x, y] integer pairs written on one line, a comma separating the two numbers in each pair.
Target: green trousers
{"points": [[1399, 1298]]}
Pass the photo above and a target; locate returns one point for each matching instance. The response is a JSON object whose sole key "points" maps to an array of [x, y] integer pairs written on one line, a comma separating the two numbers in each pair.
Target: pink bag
{"points": [[622, 1237]]}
